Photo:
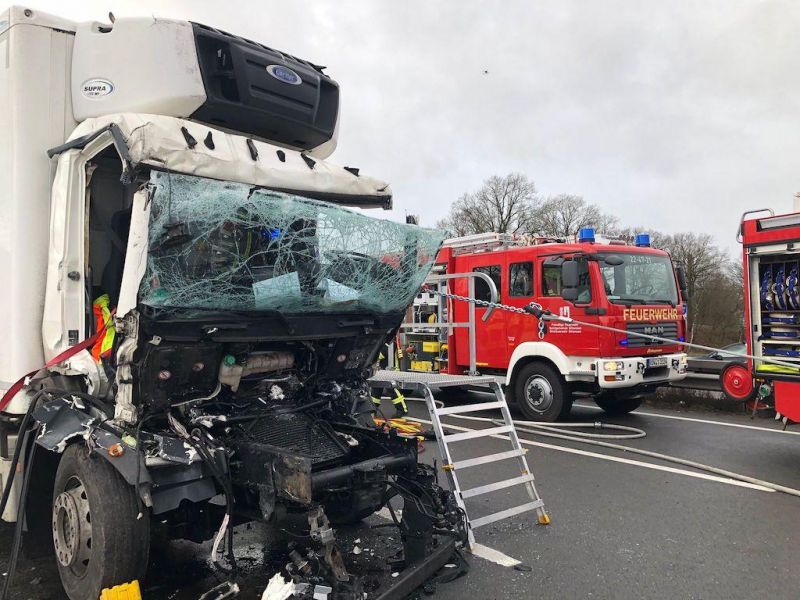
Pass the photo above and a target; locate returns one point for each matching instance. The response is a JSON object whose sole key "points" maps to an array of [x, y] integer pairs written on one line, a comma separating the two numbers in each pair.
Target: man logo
{"points": [[653, 330], [563, 311]]}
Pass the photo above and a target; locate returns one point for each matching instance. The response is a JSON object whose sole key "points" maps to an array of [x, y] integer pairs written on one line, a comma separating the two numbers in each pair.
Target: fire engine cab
{"points": [[634, 288]]}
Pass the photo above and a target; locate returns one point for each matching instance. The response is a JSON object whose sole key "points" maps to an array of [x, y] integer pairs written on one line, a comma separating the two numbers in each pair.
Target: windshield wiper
{"points": [[629, 301], [661, 301], [642, 301]]}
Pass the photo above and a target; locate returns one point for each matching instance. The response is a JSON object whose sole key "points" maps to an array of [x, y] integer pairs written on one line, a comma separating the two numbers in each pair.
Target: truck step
{"points": [[489, 458], [504, 514], [468, 408], [497, 485], [479, 433]]}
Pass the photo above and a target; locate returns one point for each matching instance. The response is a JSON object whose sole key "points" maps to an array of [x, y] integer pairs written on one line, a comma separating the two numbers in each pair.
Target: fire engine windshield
{"points": [[640, 279], [233, 247]]}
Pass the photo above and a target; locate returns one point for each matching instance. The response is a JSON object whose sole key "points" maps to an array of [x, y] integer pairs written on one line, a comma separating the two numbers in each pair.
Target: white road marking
{"points": [[618, 459], [706, 421], [478, 550]]}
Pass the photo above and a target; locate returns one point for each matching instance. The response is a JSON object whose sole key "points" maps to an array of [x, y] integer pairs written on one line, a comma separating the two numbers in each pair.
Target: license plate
{"points": [[656, 361]]}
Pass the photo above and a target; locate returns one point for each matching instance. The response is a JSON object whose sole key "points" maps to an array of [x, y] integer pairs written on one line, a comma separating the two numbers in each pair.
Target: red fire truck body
{"points": [[632, 288], [771, 263]]}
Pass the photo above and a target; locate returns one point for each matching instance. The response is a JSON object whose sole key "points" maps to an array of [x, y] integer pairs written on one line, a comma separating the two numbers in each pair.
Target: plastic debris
{"points": [[278, 588]]}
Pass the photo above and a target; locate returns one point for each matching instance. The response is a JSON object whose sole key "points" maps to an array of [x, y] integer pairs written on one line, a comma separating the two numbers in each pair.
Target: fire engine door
{"points": [[489, 335], [573, 339]]}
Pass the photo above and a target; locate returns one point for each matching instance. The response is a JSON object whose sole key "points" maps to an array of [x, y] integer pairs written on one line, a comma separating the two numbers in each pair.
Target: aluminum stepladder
{"points": [[516, 453], [423, 382]]}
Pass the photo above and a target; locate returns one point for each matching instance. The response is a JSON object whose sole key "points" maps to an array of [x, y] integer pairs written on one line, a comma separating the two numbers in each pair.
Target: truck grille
{"points": [[299, 434], [668, 329]]}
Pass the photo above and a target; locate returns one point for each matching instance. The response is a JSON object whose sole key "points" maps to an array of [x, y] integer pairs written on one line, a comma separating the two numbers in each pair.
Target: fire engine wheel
{"points": [[612, 404], [98, 541], [541, 394], [737, 384]]}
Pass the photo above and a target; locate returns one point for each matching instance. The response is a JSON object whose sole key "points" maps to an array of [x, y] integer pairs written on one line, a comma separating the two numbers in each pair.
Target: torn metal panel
{"points": [[61, 422], [173, 485], [158, 141], [227, 246], [292, 477]]}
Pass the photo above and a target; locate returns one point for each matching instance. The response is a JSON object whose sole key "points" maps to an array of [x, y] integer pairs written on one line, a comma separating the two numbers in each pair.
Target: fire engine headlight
{"points": [[613, 365]]}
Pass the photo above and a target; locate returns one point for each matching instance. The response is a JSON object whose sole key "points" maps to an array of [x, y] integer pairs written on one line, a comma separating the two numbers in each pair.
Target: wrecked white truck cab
{"points": [[107, 176], [211, 306]]}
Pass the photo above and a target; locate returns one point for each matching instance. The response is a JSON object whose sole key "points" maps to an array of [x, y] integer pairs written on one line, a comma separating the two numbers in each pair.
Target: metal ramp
{"points": [[425, 383]]}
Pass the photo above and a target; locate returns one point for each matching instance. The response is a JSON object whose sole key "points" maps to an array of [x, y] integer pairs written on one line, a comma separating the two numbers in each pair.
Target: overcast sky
{"points": [[671, 115]]}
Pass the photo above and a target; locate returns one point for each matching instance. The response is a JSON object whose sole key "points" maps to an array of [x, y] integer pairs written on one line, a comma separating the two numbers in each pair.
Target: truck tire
{"points": [[737, 383], [541, 393], [98, 540], [613, 404]]}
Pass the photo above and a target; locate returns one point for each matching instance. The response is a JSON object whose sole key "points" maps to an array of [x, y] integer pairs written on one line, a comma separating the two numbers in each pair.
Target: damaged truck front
{"points": [[234, 333], [211, 308]]}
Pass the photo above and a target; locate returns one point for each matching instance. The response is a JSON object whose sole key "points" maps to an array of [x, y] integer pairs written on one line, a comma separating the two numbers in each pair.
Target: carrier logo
{"points": [[96, 88], [284, 74]]}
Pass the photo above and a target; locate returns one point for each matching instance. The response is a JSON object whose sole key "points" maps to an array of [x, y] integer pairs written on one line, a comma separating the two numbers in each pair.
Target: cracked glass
{"points": [[229, 246]]}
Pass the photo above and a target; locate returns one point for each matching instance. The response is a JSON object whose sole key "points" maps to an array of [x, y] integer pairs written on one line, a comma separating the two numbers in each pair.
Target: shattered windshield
{"points": [[640, 279], [229, 246]]}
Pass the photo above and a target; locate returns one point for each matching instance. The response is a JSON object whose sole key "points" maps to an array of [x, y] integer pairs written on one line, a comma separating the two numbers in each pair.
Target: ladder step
{"points": [[477, 433], [497, 485], [489, 458], [503, 514], [468, 408]]}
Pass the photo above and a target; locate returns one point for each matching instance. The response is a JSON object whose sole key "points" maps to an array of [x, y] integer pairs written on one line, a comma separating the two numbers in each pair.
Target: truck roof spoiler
{"points": [[184, 146]]}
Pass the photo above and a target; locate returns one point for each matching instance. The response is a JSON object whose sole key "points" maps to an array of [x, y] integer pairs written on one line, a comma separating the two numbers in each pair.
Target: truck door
{"points": [[491, 334], [572, 339]]}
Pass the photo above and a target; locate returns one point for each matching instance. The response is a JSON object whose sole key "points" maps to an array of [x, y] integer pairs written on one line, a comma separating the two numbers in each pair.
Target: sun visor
{"points": [[183, 146]]}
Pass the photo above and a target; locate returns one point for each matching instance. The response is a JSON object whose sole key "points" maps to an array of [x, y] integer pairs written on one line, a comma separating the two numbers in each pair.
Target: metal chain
{"points": [[486, 303], [546, 316], [513, 309]]}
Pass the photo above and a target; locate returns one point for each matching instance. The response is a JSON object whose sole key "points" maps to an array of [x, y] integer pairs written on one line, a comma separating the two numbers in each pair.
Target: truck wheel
{"points": [[99, 542], [541, 394], [612, 404], [737, 383]]}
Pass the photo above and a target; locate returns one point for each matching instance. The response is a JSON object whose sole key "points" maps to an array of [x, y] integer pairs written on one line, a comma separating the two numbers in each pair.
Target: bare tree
{"points": [[502, 205], [565, 214], [708, 271]]}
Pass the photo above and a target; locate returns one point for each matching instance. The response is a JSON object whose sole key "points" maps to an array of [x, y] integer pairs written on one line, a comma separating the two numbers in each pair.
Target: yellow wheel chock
{"points": [[126, 591]]}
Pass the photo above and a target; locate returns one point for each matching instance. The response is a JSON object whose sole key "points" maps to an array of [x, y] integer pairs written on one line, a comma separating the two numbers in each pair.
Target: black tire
{"points": [[614, 405], [109, 546], [540, 393]]}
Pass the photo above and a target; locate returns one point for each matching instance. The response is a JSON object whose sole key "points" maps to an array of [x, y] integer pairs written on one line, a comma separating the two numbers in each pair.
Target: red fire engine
{"points": [[631, 287], [770, 254]]}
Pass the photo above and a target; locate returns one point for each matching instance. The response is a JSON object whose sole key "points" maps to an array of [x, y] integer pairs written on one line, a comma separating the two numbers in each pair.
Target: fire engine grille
{"points": [[667, 330], [299, 434]]}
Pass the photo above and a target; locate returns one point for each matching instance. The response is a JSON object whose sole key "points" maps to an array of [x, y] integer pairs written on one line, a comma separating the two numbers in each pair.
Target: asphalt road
{"points": [[623, 525]]}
